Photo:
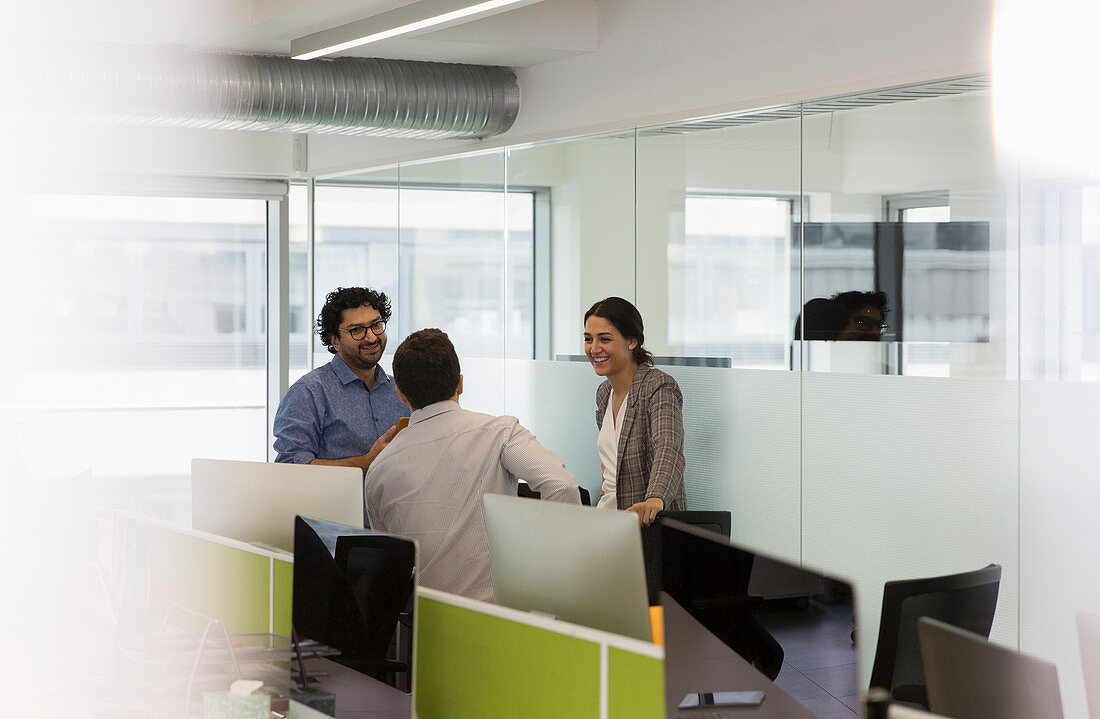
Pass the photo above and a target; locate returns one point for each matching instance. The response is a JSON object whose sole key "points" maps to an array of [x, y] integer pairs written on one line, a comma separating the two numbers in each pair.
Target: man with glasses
{"points": [[866, 315], [345, 412]]}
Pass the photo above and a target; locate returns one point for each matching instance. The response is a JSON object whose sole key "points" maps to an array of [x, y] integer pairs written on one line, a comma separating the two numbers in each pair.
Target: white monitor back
{"points": [[1088, 634], [580, 564], [257, 501]]}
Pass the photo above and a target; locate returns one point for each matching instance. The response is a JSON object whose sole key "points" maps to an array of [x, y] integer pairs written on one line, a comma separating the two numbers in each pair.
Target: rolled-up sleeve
{"points": [[666, 437], [526, 459], [297, 427]]}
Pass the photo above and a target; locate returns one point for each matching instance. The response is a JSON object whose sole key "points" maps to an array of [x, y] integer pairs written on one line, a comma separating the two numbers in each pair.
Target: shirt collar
{"points": [[346, 376], [419, 415]]}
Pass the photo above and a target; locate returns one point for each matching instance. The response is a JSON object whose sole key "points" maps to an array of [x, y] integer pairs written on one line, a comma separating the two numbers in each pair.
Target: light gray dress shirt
{"points": [[428, 483]]}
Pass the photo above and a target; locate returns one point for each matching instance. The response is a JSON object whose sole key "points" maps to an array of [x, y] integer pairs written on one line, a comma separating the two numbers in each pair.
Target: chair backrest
{"points": [[350, 586], [712, 520], [524, 490], [379, 571], [967, 600]]}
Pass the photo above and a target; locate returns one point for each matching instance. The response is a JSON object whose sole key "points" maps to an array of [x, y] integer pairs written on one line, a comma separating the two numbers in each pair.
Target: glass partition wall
{"points": [[886, 340]]}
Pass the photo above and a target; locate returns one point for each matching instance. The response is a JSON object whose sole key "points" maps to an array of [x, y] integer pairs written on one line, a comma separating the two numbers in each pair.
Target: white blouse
{"points": [[607, 444]]}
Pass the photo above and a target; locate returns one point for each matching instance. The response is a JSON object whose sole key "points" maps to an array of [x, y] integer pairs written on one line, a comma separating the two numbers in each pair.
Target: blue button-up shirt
{"points": [[330, 413]]}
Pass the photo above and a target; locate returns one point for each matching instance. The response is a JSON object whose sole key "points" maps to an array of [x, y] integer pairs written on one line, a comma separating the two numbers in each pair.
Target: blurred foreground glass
{"points": [[166, 357]]}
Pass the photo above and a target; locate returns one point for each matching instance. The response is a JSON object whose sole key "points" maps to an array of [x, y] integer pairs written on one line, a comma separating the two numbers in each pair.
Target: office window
{"points": [[939, 213], [731, 277], [458, 259], [918, 207]]}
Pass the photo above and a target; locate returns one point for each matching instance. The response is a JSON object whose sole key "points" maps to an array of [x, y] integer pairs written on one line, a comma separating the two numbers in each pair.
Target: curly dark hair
{"points": [[346, 298], [626, 318], [854, 301], [425, 368]]}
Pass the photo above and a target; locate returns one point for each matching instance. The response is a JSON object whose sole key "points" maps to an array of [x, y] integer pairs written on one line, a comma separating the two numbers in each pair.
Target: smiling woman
{"points": [[639, 415]]}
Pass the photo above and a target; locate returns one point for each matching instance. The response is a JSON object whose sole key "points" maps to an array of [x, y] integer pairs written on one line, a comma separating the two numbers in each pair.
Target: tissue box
{"points": [[223, 705]]}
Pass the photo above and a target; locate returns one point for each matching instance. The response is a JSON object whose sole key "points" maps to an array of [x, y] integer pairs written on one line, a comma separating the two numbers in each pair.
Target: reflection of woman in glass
{"points": [[638, 412]]}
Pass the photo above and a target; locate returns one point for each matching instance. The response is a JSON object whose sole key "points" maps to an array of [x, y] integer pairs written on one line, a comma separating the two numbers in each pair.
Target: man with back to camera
{"points": [[345, 412], [428, 483]]}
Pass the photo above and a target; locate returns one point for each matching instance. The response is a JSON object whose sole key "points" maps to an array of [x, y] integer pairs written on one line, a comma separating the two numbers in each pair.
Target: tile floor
{"points": [[819, 663]]}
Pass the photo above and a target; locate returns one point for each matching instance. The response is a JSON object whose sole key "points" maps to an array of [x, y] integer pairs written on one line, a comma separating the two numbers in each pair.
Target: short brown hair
{"points": [[425, 368]]}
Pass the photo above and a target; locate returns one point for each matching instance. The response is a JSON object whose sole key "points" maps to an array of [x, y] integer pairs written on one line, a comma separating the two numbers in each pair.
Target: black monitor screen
{"points": [[353, 599], [794, 626]]}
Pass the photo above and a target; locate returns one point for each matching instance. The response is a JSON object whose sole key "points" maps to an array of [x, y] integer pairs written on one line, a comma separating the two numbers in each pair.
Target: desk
{"points": [[357, 695], [696, 660]]}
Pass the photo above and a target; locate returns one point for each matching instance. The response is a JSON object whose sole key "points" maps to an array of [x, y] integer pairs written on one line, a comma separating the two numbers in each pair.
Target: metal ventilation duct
{"points": [[349, 96]]}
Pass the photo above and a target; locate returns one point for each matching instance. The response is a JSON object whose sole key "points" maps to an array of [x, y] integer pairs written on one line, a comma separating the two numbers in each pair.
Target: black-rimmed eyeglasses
{"points": [[868, 324], [359, 332]]}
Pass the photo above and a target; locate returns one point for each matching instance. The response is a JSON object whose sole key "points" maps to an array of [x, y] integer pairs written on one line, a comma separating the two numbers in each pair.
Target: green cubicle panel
{"points": [[282, 582], [470, 663], [635, 685], [213, 579], [481, 660]]}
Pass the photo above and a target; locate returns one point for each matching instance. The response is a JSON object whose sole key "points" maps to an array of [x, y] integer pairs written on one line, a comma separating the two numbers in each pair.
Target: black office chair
{"points": [[524, 490], [710, 520], [714, 521], [379, 572], [967, 600], [352, 601]]}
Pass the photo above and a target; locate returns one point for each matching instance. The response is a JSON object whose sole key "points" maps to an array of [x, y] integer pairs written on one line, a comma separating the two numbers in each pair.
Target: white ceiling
{"points": [[526, 36]]}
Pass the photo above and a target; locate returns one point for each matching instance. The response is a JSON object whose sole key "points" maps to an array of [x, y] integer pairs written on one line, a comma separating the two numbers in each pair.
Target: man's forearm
{"points": [[362, 462]]}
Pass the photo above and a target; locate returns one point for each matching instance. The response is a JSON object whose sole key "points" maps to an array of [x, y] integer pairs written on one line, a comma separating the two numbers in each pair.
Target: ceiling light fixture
{"points": [[399, 21]]}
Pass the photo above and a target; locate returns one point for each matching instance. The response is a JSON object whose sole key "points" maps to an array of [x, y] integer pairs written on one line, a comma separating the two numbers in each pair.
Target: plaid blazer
{"points": [[651, 444]]}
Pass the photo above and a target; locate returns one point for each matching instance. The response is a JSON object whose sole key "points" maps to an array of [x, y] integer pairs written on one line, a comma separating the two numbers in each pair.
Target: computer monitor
{"points": [[1088, 635], [353, 591], [898, 711], [969, 677], [257, 501], [795, 654], [580, 564]]}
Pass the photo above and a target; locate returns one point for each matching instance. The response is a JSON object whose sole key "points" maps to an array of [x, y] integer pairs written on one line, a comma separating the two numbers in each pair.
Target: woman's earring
{"points": [[631, 346]]}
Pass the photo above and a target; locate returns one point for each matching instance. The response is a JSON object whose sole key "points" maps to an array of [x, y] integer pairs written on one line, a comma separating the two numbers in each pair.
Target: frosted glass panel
{"points": [[741, 444], [483, 384], [1059, 361], [557, 402], [1059, 520], [907, 477]]}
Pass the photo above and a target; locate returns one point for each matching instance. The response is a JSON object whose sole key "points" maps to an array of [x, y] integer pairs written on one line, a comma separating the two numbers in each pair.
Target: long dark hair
{"points": [[626, 318]]}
